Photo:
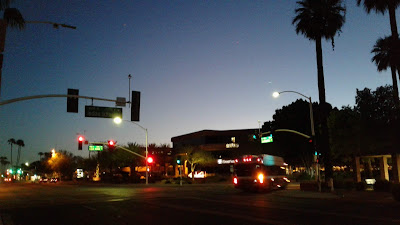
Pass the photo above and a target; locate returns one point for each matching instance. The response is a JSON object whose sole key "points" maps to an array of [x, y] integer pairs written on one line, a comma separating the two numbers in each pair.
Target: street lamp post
{"points": [[118, 120], [275, 95]]}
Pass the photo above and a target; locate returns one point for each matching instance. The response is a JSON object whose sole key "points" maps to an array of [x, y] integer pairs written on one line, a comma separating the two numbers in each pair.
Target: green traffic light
{"points": [[178, 161]]}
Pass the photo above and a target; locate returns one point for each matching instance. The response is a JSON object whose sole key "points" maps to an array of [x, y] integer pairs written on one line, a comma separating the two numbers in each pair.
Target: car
{"points": [[7, 179], [53, 180], [43, 180]]}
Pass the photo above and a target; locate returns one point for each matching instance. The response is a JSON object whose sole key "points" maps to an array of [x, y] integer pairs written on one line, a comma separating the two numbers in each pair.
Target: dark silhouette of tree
{"points": [[381, 6], [318, 19], [12, 17], [387, 54], [20, 144], [40, 155], [3, 162], [11, 142]]}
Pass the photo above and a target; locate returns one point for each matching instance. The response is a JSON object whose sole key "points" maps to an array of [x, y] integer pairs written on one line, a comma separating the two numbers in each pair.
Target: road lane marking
{"points": [[88, 207]]}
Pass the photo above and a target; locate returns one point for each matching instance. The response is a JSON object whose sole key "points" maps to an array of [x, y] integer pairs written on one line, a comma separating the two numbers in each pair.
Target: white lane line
{"points": [[88, 207]]}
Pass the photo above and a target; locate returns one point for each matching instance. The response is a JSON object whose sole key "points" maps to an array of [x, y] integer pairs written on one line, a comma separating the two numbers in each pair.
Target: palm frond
{"points": [[14, 18]]}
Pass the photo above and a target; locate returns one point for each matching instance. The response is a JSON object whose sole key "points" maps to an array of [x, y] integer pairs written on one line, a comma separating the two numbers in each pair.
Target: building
{"points": [[224, 145]]}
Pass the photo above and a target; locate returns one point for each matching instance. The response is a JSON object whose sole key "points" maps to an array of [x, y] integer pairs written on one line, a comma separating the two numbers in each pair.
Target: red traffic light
{"points": [[111, 143], [150, 160], [81, 138]]}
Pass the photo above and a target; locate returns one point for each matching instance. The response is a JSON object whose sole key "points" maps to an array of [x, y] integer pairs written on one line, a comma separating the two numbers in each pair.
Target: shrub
{"points": [[396, 192], [382, 185], [303, 176]]}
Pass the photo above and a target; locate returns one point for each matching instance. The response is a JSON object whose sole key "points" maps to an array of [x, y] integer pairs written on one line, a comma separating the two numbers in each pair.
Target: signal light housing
{"points": [[111, 145], [80, 142]]}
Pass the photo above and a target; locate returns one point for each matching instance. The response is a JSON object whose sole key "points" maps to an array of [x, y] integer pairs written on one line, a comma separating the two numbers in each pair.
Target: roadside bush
{"points": [[396, 192], [382, 185], [303, 177], [361, 186]]}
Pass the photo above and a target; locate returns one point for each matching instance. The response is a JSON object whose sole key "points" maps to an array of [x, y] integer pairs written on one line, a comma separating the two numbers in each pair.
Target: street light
{"points": [[276, 94], [118, 120]]}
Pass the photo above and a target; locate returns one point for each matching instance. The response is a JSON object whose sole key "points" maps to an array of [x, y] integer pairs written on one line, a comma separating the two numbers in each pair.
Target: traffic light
{"points": [[72, 103], [80, 142], [111, 145], [135, 109], [254, 136], [150, 160], [178, 160]]}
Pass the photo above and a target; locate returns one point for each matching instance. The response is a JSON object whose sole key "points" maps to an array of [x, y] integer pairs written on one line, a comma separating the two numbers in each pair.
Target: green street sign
{"points": [[102, 112], [95, 147], [267, 139]]}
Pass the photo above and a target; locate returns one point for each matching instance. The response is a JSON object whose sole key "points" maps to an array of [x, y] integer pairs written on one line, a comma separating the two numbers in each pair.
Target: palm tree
{"points": [[11, 142], [20, 144], [318, 19], [381, 6], [387, 54], [12, 17]]}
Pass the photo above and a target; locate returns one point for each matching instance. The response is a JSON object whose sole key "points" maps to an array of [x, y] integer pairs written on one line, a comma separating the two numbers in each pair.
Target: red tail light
{"points": [[235, 180]]}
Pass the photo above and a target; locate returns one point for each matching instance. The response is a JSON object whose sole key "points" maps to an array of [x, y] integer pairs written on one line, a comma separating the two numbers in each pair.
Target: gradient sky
{"points": [[198, 65]]}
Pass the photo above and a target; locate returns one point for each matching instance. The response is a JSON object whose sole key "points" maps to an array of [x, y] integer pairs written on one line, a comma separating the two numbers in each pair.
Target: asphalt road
{"points": [[170, 204]]}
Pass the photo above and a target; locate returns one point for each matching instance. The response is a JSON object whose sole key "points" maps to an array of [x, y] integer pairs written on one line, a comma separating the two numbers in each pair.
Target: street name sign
{"points": [[102, 112], [95, 147], [267, 139]]}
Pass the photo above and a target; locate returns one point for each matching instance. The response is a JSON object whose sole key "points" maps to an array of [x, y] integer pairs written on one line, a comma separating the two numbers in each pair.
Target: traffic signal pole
{"points": [[53, 96]]}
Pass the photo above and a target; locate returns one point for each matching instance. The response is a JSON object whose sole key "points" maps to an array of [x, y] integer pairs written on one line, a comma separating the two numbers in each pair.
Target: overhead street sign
{"points": [[102, 112], [95, 147], [267, 139]]}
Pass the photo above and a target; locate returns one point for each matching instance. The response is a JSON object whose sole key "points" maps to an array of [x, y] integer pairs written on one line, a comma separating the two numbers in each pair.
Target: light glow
{"points": [[261, 178], [275, 94], [117, 120], [235, 180]]}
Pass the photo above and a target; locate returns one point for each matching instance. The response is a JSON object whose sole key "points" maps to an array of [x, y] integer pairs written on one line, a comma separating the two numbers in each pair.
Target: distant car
{"points": [[53, 180], [43, 180], [7, 179]]}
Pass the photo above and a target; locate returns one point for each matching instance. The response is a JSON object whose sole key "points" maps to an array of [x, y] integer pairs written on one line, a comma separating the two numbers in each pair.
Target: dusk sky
{"points": [[198, 65]]}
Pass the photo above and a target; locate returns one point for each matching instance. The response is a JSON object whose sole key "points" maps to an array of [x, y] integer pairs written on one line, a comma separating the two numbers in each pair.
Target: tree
{"points": [[317, 19], [3, 162], [11, 142], [12, 17], [63, 163], [20, 144], [345, 137], [387, 54], [196, 156], [381, 6], [40, 155], [379, 118]]}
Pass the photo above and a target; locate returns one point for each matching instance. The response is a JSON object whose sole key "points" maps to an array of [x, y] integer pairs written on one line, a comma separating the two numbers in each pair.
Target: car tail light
{"points": [[235, 180], [261, 178]]}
